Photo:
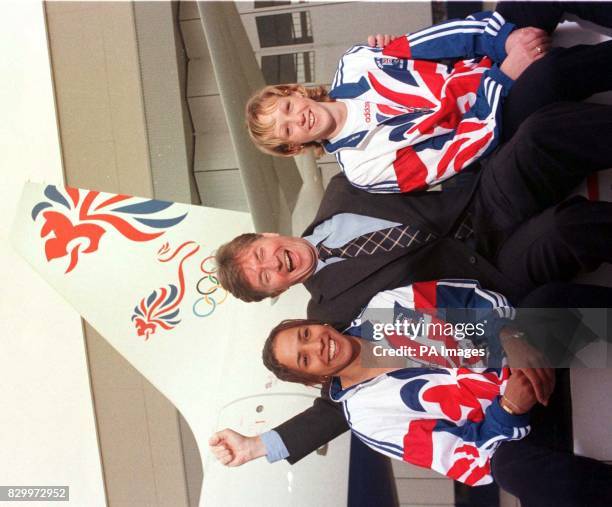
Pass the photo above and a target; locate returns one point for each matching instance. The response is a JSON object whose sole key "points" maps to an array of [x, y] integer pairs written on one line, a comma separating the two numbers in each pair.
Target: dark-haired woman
{"points": [[470, 424]]}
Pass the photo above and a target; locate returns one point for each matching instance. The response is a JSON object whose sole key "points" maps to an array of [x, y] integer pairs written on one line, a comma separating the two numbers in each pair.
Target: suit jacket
{"points": [[340, 290]]}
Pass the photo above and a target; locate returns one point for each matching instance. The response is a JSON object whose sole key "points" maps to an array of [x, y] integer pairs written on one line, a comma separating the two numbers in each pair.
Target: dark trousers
{"points": [[546, 15], [563, 74], [540, 474], [519, 224], [541, 469], [555, 321], [547, 151]]}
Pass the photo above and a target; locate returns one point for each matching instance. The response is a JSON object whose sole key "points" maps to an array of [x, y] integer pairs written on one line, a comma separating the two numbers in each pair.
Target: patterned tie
{"points": [[400, 236], [465, 229]]}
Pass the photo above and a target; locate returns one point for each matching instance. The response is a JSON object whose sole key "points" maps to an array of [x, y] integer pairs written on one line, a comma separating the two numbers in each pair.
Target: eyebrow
{"points": [[277, 125], [298, 353], [260, 273]]}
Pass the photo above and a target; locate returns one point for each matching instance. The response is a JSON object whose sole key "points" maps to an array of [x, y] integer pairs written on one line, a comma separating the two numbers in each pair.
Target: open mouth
{"points": [[311, 120], [289, 262], [332, 349]]}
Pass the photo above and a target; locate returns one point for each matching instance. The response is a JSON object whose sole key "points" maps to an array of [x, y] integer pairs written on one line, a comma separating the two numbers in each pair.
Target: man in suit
{"points": [[503, 225]]}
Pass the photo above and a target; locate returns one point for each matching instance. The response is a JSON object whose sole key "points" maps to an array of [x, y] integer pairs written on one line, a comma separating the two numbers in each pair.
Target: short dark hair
{"points": [[229, 272], [281, 371]]}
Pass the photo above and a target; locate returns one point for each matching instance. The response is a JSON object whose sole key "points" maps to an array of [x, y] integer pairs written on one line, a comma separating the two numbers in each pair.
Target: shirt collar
{"points": [[336, 393], [353, 131]]}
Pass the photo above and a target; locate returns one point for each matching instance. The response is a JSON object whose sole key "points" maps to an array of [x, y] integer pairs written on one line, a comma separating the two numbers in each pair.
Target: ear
{"points": [[270, 234], [296, 150]]}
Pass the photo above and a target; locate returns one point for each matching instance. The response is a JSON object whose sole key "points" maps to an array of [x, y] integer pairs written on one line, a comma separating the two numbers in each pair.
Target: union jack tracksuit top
{"points": [[445, 419], [413, 121]]}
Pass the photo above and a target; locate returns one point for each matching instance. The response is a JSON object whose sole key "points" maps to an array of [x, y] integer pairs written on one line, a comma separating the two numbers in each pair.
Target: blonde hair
{"points": [[263, 102]]}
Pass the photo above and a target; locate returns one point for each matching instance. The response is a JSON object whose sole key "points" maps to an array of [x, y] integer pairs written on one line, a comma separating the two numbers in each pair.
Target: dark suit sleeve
{"points": [[312, 428]]}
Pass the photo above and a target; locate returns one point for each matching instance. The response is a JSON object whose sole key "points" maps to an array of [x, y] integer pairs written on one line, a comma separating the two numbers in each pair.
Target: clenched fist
{"points": [[233, 449]]}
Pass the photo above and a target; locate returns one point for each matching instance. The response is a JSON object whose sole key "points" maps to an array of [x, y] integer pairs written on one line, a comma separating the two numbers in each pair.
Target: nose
{"points": [[315, 347], [297, 118], [270, 263]]}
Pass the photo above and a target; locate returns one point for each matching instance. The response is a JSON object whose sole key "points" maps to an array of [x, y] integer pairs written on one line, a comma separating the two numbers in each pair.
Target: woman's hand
{"points": [[524, 47], [380, 40], [527, 37], [518, 396], [233, 449], [524, 358]]}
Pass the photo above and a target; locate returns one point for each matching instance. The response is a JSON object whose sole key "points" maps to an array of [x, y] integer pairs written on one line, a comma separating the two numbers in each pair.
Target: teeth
{"points": [[332, 349], [288, 262], [310, 119]]}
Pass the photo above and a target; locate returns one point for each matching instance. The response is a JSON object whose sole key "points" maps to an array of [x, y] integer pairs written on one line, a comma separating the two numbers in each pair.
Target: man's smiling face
{"points": [[273, 263]]}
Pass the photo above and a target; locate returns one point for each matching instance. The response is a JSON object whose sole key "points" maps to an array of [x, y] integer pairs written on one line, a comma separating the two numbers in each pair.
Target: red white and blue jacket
{"points": [[445, 419], [448, 315], [414, 121]]}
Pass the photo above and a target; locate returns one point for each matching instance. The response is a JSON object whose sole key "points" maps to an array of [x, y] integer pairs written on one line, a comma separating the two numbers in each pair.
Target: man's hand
{"points": [[518, 396], [526, 359], [524, 47], [380, 40], [233, 449]]}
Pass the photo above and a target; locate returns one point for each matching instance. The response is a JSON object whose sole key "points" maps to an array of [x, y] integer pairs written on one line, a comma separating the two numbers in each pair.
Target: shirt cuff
{"points": [[498, 76], [500, 41], [275, 447], [505, 419]]}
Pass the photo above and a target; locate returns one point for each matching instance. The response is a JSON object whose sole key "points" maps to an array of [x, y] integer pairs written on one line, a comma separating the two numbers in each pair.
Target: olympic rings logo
{"points": [[210, 288]]}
